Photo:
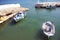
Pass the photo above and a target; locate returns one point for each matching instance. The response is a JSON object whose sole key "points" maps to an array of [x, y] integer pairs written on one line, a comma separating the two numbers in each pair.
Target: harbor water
{"points": [[29, 28]]}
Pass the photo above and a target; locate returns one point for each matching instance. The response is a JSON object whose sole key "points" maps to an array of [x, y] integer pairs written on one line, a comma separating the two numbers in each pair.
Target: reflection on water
{"points": [[12, 22], [42, 36], [4, 25], [48, 10]]}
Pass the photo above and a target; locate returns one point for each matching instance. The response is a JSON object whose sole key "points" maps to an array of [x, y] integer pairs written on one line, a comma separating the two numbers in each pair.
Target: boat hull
{"points": [[48, 33], [19, 16]]}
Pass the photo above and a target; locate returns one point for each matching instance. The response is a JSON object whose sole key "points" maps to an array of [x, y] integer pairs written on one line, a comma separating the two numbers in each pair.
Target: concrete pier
{"points": [[9, 10]]}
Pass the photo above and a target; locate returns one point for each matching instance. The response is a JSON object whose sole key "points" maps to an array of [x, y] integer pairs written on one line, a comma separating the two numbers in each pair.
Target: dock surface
{"points": [[9, 10]]}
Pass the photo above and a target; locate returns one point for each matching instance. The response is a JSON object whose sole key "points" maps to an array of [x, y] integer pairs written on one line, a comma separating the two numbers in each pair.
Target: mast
{"points": [[38, 2]]}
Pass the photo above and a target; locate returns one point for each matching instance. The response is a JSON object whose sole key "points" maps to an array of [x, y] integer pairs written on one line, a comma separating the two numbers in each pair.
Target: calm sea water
{"points": [[30, 27]]}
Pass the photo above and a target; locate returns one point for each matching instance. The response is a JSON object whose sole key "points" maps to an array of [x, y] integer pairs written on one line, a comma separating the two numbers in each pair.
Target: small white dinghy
{"points": [[19, 16], [48, 28]]}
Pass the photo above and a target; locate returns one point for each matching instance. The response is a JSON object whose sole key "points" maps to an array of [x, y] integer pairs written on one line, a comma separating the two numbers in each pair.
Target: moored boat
{"points": [[50, 7], [48, 28], [19, 16]]}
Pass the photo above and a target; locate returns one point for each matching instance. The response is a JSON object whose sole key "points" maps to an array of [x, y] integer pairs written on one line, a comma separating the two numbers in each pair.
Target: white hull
{"points": [[19, 16], [52, 32]]}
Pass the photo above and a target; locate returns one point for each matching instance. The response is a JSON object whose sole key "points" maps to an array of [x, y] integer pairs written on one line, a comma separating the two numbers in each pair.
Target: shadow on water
{"points": [[49, 10], [45, 9], [13, 22], [41, 36]]}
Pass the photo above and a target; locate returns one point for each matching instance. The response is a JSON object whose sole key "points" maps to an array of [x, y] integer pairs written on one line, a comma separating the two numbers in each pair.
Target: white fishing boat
{"points": [[48, 28], [19, 16]]}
